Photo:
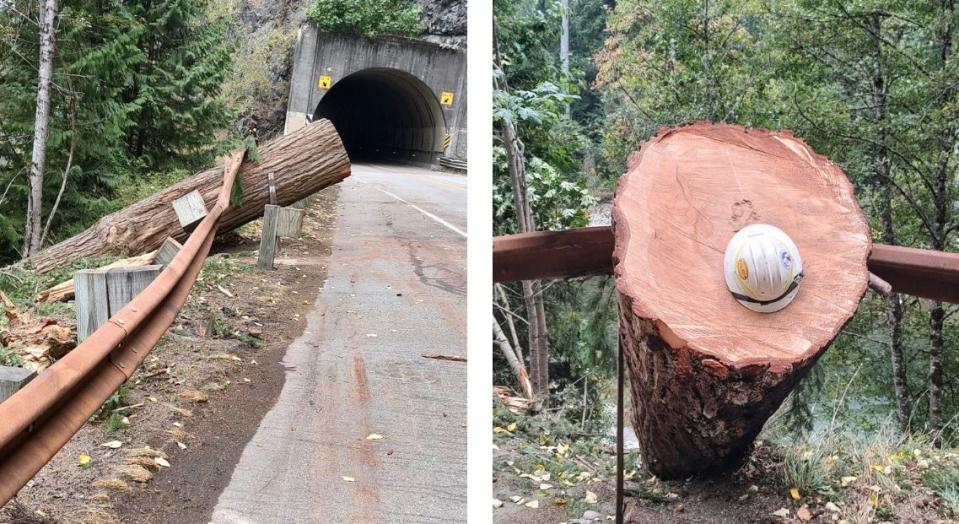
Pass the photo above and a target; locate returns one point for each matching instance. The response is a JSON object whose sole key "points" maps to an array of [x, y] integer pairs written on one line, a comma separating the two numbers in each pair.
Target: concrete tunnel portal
{"points": [[385, 114]]}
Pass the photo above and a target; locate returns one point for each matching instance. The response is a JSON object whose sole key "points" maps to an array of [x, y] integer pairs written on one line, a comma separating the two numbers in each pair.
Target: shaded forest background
{"points": [[871, 84]]}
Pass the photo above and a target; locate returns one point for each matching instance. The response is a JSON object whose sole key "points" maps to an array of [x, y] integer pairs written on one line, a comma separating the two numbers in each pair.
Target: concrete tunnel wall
{"points": [[384, 94]]}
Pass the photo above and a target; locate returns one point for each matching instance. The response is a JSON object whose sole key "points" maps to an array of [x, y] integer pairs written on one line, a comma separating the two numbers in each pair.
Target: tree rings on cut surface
{"points": [[707, 372]]}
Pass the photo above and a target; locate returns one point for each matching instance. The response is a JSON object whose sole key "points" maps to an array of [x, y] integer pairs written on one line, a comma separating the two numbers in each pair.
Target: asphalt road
{"points": [[396, 291]]}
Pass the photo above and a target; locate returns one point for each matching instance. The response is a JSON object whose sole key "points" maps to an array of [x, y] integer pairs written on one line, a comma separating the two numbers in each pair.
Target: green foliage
{"points": [[141, 82], [557, 203], [369, 18], [9, 358], [176, 90], [534, 95], [945, 482], [806, 470], [115, 422]]}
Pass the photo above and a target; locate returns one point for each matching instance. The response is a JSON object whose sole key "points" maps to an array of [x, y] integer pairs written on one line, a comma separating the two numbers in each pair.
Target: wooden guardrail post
{"points": [[13, 379], [101, 293], [268, 239], [92, 305], [189, 209], [289, 222], [167, 251]]}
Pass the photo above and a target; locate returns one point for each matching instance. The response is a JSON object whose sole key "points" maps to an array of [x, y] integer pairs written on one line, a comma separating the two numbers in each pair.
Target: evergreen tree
{"points": [[175, 90], [135, 88]]}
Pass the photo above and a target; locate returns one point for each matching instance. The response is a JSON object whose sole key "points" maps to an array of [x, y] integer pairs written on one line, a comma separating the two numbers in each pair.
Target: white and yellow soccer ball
{"points": [[762, 268]]}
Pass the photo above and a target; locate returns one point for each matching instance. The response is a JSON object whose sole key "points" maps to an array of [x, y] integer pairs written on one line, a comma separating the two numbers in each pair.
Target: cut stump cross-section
{"points": [[706, 372]]}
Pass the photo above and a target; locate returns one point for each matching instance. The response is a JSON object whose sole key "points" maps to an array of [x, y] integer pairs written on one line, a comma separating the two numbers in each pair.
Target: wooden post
{"points": [[92, 304], [189, 208], [706, 373], [101, 293], [125, 283], [289, 222], [13, 379], [167, 251], [268, 239]]}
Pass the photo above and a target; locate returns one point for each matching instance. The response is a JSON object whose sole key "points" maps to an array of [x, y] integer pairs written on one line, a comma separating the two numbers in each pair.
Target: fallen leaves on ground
{"points": [[135, 472], [112, 483], [194, 395]]}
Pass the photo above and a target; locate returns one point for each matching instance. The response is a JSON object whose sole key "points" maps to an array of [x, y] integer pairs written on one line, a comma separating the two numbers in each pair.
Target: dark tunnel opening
{"points": [[385, 115]]}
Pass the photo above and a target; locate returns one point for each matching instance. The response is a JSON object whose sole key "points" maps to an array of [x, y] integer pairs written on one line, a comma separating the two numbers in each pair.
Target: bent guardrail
{"points": [[40, 418]]}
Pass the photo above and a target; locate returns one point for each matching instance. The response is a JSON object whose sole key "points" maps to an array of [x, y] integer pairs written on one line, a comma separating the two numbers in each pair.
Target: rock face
{"points": [[266, 31], [445, 17]]}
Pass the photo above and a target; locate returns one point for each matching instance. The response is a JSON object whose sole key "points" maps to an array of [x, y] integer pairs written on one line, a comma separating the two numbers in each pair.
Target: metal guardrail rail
{"points": [[40, 418], [589, 251]]}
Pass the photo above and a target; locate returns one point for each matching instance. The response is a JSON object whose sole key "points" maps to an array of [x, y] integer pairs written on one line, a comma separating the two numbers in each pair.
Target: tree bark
{"points": [[564, 38], [519, 370], [48, 42], [303, 162], [532, 289], [706, 373], [942, 204], [883, 170]]}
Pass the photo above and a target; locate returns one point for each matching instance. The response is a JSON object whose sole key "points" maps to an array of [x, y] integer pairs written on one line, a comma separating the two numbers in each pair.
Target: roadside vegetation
{"points": [[370, 18], [869, 84]]}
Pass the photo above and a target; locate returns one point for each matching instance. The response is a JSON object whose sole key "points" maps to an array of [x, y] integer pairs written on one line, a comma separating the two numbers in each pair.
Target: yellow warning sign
{"points": [[325, 81], [446, 98], [446, 142]]}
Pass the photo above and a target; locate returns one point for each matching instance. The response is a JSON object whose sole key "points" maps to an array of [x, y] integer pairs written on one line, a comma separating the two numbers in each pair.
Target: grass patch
{"points": [[806, 470], [9, 358], [945, 482], [115, 422]]}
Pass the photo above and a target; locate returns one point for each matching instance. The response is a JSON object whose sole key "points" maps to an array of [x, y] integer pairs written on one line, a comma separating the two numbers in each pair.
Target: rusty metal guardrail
{"points": [[589, 251], [40, 418]]}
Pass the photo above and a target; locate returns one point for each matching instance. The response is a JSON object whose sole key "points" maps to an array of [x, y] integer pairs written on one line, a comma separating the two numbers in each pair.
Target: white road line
{"points": [[442, 222]]}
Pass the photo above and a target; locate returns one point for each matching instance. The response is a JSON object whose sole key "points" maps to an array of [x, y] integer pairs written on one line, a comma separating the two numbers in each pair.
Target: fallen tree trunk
{"points": [[302, 163], [706, 372]]}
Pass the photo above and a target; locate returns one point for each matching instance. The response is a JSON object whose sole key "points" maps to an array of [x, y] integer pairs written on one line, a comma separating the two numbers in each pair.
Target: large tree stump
{"points": [[706, 372], [303, 163]]}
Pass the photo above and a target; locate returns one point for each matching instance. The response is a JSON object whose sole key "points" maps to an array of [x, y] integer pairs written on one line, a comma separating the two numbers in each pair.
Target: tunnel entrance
{"points": [[385, 114]]}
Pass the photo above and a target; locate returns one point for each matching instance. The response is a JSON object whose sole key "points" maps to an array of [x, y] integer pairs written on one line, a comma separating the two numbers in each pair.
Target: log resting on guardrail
{"points": [[302, 162]]}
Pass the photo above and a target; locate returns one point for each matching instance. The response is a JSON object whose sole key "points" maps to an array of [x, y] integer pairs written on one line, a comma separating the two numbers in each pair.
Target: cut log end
{"points": [[707, 372]]}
